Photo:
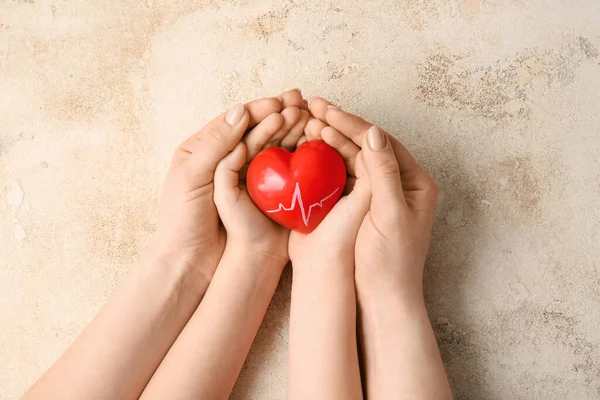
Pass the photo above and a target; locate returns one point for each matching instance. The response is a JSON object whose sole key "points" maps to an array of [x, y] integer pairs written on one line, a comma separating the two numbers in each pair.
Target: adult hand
{"points": [[401, 357], [208, 354], [394, 236], [188, 229]]}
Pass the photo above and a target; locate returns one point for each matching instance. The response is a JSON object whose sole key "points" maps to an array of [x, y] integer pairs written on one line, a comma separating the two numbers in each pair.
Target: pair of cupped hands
{"points": [[381, 226]]}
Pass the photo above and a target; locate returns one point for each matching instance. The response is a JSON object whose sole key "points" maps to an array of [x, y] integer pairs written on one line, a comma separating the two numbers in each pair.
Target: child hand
{"points": [[332, 242], [248, 229], [323, 359], [393, 239]]}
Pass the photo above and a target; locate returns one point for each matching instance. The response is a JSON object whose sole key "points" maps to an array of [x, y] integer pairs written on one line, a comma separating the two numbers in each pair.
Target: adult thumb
{"points": [[383, 170], [216, 140]]}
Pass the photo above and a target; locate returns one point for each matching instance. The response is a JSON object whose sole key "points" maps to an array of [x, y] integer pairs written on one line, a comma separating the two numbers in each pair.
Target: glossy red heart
{"points": [[297, 190]]}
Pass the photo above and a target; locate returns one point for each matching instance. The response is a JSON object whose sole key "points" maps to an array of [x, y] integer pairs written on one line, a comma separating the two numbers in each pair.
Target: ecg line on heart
{"points": [[297, 199]]}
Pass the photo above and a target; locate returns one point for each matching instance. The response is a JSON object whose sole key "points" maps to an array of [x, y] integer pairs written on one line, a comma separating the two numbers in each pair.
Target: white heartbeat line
{"points": [[297, 199]]}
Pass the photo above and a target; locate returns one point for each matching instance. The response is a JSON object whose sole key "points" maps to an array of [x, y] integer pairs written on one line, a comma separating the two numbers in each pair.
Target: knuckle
{"points": [[432, 185], [387, 166], [304, 115], [216, 135], [186, 145], [254, 147], [272, 103], [177, 155], [291, 115], [190, 178], [430, 189], [276, 121], [180, 154]]}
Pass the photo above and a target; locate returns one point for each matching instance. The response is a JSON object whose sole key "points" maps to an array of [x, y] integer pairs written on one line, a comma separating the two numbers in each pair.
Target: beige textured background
{"points": [[499, 99]]}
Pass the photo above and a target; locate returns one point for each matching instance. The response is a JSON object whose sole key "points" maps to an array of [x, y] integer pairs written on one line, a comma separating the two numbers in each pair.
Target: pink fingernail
{"points": [[375, 138], [234, 116]]}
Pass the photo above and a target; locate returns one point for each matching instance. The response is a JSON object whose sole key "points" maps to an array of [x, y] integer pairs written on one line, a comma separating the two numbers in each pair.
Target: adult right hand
{"points": [[393, 239], [401, 357]]}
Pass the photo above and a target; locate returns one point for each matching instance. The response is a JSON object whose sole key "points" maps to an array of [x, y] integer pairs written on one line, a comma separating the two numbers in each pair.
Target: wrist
{"points": [[390, 279], [404, 300], [202, 259], [324, 269], [171, 275], [258, 264], [323, 285], [272, 250]]}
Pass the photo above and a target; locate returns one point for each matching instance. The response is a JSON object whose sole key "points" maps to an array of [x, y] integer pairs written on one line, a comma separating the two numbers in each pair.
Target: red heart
{"points": [[297, 190]]}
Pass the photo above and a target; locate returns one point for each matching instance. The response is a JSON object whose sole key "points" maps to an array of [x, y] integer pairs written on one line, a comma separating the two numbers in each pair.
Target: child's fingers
{"points": [[318, 108], [313, 129], [258, 137], [260, 109], [290, 115], [292, 98], [227, 174], [290, 140], [346, 147]]}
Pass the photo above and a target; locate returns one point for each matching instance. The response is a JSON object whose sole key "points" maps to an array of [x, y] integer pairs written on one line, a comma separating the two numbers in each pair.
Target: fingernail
{"points": [[297, 90], [234, 116], [315, 98], [330, 107], [375, 138], [305, 101]]}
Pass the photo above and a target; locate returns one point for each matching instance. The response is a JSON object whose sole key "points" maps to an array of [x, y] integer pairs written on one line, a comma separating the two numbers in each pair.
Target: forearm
{"points": [[401, 355], [119, 351], [323, 355], [207, 357]]}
